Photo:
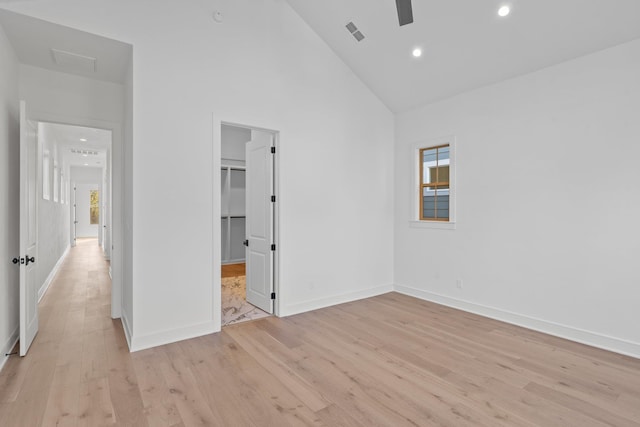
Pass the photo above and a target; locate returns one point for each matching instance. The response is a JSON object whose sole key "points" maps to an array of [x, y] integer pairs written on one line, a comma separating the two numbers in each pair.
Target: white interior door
{"points": [[74, 216], [259, 220], [28, 231]]}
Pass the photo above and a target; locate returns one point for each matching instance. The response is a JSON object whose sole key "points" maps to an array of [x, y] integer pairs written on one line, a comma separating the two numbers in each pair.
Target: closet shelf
{"points": [[233, 215]]}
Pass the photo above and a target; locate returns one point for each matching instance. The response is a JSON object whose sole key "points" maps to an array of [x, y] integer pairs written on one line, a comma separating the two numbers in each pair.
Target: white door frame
{"points": [[117, 194], [74, 220], [217, 205]]}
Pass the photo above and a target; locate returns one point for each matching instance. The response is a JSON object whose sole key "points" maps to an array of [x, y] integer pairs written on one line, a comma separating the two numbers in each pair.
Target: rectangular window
{"points": [[434, 187], [94, 208], [46, 186], [56, 187]]}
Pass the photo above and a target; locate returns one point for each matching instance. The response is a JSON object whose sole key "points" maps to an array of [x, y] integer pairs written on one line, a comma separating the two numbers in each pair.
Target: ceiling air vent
{"points": [[353, 30], [74, 61]]}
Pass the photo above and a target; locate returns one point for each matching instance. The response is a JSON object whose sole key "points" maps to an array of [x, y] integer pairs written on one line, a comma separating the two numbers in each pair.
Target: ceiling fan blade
{"points": [[405, 12]]}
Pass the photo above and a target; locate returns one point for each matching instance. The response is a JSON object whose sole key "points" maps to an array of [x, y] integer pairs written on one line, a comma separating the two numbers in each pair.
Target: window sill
{"points": [[435, 225]]}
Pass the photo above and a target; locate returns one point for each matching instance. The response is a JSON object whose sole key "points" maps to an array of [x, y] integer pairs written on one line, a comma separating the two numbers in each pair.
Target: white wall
{"points": [[53, 219], [547, 201], [60, 95], [263, 67], [124, 203], [233, 143], [9, 195]]}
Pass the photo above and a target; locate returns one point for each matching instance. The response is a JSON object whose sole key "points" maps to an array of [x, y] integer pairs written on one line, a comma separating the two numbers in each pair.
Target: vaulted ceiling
{"points": [[465, 43]]}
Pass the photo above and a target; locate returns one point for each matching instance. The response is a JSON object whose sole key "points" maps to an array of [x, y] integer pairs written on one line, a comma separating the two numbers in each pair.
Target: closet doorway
{"points": [[248, 208]]}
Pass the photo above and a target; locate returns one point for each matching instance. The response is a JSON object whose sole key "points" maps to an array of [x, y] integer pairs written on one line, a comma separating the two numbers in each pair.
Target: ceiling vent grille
{"points": [[74, 61], [353, 30], [84, 152]]}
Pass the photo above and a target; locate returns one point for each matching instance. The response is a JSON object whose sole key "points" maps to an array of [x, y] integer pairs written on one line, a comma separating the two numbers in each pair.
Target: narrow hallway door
{"points": [[259, 225], [28, 231]]}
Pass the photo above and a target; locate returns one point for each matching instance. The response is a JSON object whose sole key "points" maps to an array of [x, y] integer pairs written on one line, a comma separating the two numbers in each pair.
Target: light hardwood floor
{"points": [[384, 361]]}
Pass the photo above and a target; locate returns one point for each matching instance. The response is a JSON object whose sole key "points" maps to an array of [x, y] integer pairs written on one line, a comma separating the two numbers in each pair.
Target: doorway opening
{"points": [[73, 93], [248, 223], [82, 178]]}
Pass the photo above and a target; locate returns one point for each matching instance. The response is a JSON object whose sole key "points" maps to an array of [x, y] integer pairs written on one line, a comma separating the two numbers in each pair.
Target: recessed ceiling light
{"points": [[83, 139], [417, 52], [84, 155], [86, 164], [504, 11]]}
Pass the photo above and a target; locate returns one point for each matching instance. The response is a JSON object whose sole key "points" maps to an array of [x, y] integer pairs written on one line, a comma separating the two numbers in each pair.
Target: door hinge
{"points": [[273, 247], [273, 199], [273, 295], [273, 150]]}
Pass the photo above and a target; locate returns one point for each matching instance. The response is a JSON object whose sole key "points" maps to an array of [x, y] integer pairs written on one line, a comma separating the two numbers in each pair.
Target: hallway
{"points": [[73, 370]]}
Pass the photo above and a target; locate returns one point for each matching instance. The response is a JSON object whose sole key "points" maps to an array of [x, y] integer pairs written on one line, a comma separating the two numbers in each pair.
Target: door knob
{"points": [[246, 243], [29, 259], [15, 260]]}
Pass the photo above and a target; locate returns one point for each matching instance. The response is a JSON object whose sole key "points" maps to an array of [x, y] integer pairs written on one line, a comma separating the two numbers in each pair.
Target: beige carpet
{"points": [[235, 307]]}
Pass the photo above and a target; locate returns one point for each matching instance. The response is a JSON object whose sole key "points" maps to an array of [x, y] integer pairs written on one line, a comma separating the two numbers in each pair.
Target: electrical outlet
{"points": [[459, 283]]}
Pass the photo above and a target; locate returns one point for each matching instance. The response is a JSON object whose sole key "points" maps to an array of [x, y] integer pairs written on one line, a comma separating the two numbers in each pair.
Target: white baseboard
{"points": [[8, 346], [143, 342], [593, 339], [333, 300], [45, 286], [126, 328]]}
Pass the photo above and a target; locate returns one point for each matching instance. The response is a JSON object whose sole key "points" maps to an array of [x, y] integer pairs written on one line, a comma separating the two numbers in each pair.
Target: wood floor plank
{"points": [[12, 377], [123, 383], [233, 270], [390, 360], [186, 395], [333, 415], [27, 410], [579, 405], [94, 405], [411, 388], [278, 399], [158, 403], [540, 411], [246, 338], [62, 405]]}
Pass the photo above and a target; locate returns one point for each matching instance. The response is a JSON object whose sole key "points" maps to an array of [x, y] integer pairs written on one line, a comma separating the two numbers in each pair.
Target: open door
{"points": [[259, 225], [28, 231], [74, 216]]}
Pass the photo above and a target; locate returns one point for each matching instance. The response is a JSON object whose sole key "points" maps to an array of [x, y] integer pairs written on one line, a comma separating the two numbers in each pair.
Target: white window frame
{"points": [[46, 175], [415, 221]]}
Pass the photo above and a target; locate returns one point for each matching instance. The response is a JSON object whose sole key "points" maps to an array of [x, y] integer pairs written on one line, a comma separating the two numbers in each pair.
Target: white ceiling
{"points": [[34, 39], [66, 137], [465, 44]]}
